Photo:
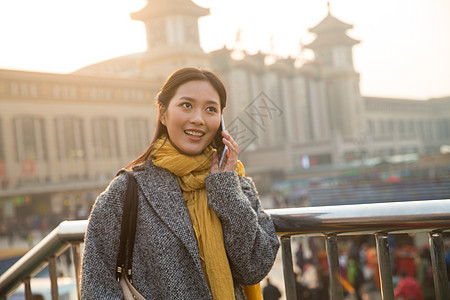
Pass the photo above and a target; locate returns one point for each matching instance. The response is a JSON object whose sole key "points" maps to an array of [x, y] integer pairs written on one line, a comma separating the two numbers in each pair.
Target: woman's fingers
{"points": [[230, 142], [231, 157], [232, 153]]}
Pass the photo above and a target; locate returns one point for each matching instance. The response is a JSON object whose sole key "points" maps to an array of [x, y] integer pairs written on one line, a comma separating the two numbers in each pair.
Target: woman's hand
{"points": [[231, 157]]}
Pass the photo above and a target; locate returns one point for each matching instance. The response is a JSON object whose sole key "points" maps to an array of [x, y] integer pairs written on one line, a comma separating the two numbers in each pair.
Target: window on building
{"points": [[69, 134], [2, 143], [420, 129], [138, 135], [24, 89], [429, 133], [33, 90], [401, 127], [383, 129], [390, 127], [447, 129], [175, 30], [2, 152], [105, 138], [157, 33], [442, 129], [30, 142], [341, 57], [133, 94], [410, 127], [371, 127], [325, 57]]}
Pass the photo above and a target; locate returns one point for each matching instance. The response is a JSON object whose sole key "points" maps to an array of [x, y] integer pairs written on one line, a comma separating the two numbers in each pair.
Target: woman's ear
{"points": [[162, 118]]}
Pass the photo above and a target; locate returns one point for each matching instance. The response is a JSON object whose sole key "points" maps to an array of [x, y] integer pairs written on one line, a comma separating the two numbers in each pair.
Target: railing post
{"points": [[336, 291], [384, 266], [27, 288], [53, 277], [77, 264], [288, 268], [439, 267]]}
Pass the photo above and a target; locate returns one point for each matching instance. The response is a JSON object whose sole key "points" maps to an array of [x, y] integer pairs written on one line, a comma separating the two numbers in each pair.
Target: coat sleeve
{"points": [[98, 275], [250, 239]]}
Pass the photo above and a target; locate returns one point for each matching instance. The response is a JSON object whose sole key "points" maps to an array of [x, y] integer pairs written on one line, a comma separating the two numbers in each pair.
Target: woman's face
{"points": [[192, 117]]}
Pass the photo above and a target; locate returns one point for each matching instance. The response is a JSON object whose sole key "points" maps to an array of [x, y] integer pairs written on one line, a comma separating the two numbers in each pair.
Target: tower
{"points": [[334, 60], [172, 36]]}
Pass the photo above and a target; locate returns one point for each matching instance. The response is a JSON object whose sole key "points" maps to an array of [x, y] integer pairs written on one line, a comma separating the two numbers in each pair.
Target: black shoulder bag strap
{"points": [[128, 227]]}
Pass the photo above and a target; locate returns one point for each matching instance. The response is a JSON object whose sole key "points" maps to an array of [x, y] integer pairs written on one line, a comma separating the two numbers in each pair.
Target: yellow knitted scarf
{"points": [[191, 172]]}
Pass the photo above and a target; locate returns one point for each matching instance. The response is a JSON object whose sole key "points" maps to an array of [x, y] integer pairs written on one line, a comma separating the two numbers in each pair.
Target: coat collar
{"points": [[161, 190]]}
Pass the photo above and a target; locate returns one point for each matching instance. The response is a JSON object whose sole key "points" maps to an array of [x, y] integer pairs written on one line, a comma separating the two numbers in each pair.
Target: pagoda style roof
{"points": [[331, 31], [336, 38], [330, 23], [155, 8]]}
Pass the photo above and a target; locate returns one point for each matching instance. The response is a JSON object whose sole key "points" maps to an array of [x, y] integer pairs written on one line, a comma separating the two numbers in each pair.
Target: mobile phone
{"points": [[225, 149]]}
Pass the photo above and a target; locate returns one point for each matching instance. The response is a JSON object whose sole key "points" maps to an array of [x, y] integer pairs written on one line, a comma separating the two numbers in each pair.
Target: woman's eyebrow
{"points": [[186, 98], [212, 102], [208, 102]]}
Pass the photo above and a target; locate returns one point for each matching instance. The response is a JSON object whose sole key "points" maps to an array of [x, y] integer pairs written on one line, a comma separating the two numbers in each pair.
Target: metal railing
{"points": [[67, 234], [380, 219]]}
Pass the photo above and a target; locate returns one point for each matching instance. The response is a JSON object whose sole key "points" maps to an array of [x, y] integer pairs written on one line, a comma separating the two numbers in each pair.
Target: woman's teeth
{"points": [[194, 133]]}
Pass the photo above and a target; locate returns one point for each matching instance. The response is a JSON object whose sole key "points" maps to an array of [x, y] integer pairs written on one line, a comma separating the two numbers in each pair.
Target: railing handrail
{"points": [[34, 260], [398, 217], [406, 216]]}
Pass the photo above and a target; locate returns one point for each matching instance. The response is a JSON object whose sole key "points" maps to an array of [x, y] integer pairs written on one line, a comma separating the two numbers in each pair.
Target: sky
{"points": [[404, 50]]}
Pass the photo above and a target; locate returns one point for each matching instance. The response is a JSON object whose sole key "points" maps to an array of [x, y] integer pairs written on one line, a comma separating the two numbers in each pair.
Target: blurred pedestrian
{"points": [[405, 259], [354, 271], [372, 266], [299, 256], [271, 292], [408, 288], [425, 274], [310, 279]]}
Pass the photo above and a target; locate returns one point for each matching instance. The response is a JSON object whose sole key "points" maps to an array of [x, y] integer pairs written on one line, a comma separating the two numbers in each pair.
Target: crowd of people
{"points": [[411, 270]]}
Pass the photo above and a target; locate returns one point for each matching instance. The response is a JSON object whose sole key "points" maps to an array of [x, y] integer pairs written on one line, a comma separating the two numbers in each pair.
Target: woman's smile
{"points": [[194, 133]]}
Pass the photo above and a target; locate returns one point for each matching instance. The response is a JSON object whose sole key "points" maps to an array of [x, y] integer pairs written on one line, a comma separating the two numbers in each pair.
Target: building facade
{"points": [[64, 136]]}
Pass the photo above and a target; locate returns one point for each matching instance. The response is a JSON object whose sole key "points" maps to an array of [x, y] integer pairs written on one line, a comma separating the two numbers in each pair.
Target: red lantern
{"points": [[28, 167]]}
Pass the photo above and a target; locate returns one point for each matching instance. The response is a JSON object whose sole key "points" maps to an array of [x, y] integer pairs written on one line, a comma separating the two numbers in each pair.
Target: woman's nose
{"points": [[197, 117]]}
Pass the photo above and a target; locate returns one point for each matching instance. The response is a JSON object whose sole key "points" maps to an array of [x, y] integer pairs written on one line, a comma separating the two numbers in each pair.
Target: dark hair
{"points": [[168, 91]]}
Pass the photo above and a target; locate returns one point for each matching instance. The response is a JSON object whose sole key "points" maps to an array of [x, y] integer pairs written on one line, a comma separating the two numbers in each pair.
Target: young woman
{"points": [[201, 232]]}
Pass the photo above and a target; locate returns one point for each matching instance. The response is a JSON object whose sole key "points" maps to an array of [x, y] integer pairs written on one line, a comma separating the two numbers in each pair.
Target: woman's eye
{"points": [[186, 105], [211, 109]]}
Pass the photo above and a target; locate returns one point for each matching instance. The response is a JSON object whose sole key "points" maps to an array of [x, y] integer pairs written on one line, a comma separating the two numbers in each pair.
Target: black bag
{"points": [[127, 237]]}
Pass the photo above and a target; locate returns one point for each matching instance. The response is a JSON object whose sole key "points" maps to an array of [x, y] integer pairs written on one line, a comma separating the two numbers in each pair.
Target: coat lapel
{"points": [[163, 193]]}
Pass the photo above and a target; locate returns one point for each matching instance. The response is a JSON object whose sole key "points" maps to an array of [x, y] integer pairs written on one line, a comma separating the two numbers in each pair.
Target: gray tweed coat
{"points": [[166, 261]]}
